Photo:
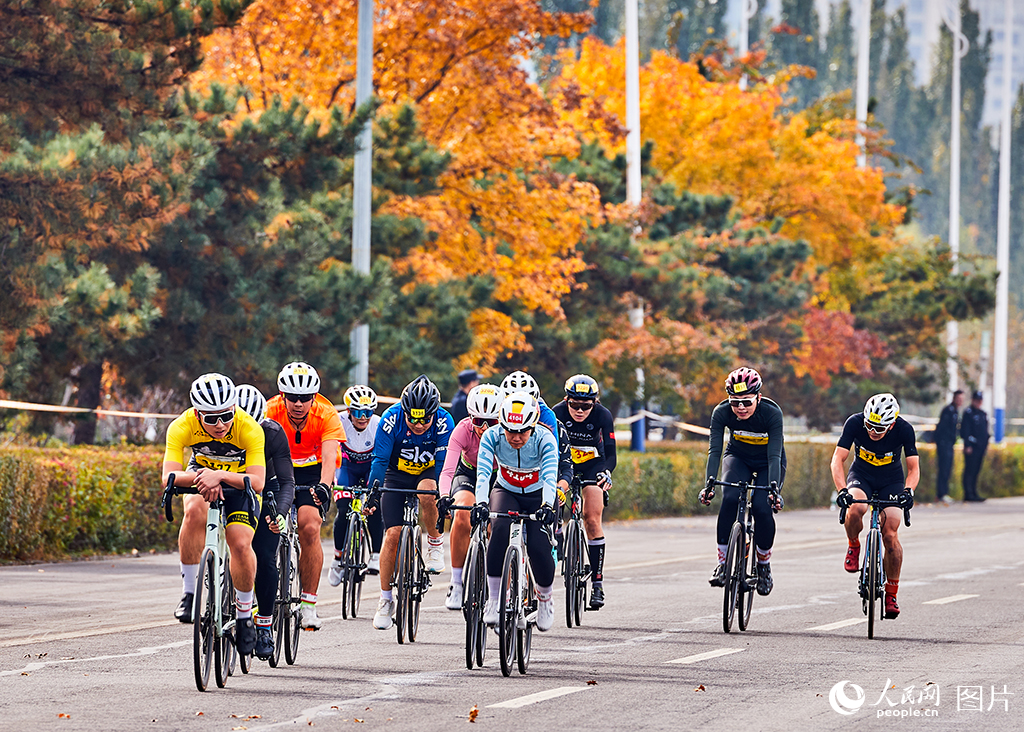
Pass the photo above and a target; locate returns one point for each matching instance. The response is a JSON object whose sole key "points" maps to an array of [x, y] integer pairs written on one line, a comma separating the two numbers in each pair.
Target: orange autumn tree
{"points": [[500, 212]]}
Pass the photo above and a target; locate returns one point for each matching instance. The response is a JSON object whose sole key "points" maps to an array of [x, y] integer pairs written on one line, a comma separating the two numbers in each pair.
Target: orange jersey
{"points": [[322, 423]]}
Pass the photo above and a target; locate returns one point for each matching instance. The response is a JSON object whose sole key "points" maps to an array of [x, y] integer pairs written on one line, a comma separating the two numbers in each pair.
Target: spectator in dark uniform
{"points": [[945, 438], [467, 380], [974, 431]]}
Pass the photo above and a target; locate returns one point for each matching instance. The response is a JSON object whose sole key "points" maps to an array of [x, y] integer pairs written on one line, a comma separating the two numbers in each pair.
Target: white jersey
{"points": [[358, 445]]}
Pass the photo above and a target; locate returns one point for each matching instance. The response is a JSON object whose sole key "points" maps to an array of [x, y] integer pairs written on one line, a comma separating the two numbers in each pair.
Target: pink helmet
{"points": [[743, 381]]}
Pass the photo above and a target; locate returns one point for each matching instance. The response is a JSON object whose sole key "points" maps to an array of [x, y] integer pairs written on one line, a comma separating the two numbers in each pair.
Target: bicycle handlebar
{"points": [[875, 502], [409, 491], [172, 490]]}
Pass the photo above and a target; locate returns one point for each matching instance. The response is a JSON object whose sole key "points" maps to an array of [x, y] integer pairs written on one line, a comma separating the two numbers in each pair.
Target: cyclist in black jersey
{"points": [[755, 446], [878, 436], [280, 482], [591, 431]]}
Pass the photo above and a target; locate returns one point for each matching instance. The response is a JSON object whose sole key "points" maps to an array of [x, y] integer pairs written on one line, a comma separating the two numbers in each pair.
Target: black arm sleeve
{"points": [[608, 428], [565, 468], [775, 440], [279, 455], [716, 440]]}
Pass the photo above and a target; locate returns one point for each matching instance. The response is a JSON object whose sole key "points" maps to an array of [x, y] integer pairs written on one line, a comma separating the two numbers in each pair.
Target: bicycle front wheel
{"points": [[419, 584], [570, 564], [749, 585], [873, 560], [224, 660], [524, 636], [204, 628], [291, 627], [403, 581], [508, 610], [472, 607], [281, 603], [348, 560], [733, 575]]}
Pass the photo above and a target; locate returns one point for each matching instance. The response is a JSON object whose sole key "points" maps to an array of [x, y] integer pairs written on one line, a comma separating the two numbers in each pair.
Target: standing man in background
{"points": [[974, 431], [945, 438], [468, 378]]}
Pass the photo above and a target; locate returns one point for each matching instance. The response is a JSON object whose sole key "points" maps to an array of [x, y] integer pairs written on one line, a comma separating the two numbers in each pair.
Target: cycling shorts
{"points": [[885, 489], [392, 505], [464, 480], [304, 496], [236, 507]]}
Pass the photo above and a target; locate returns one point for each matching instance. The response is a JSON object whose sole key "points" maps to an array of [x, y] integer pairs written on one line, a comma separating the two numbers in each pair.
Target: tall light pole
{"points": [[362, 187], [951, 17], [634, 191], [863, 58], [1003, 236], [747, 12]]}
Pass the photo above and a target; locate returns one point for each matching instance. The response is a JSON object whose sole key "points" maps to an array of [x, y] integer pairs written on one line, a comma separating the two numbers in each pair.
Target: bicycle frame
{"points": [[410, 589], [575, 559]]}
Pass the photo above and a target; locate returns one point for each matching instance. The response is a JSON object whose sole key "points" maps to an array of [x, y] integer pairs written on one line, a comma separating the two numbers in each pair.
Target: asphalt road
{"points": [[92, 646]]}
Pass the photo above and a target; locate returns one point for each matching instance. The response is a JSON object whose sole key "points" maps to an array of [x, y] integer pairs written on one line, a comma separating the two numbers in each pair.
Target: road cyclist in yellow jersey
{"points": [[227, 445], [314, 436]]}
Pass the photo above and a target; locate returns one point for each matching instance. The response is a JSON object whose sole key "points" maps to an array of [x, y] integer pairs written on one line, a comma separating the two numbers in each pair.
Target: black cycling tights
{"points": [[373, 522], [264, 544], [734, 470], [537, 544]]}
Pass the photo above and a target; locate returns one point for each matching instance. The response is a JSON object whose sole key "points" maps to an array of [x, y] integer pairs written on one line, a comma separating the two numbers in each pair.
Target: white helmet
{"points": [[298, 378], [484, 401], [519, 412], [881, 410], [521, 381], [252, 402], [360, 397], [212, 393]]}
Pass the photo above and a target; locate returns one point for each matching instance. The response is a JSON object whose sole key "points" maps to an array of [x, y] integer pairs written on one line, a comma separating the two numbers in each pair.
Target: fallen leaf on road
{"points": [[24, 673], [700, 688], [817, 694], [335, 707], [253, 716], [234, 728], [199, 714], [591, 682], [473, 713], [63, 716], [369, 709], [67, 658], [357, 720]]}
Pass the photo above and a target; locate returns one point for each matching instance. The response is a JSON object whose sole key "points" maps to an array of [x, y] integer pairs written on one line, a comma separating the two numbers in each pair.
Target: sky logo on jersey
{"points": [[413, 460]]}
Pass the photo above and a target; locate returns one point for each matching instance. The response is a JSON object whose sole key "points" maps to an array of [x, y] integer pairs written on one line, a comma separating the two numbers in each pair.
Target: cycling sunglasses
{"points": [[483, 422], [742, 402], [580, 406], [419, 420], [523, 431], [299, 397], [213, 419], [360, 413], [876, 428]]}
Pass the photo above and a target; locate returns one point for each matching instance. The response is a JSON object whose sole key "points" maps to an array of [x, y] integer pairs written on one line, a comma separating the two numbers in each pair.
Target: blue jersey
{"points": [[531, 468], [396, 450], [548, 418]]}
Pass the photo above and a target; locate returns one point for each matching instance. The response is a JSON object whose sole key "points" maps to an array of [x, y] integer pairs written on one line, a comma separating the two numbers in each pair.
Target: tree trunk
{"points": [[90, 379]]}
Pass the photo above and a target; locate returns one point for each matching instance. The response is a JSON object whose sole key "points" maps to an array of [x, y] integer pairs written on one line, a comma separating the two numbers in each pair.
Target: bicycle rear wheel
{"points": [[524, 636], [224, 661], [733, 572], [749, 584], [570, 564], [362, 561], [472, 609], [420, 583], [291, 626], [281, 603], [348, 561], [873, 559], [508, 610], [204, 628], [403, 581]]}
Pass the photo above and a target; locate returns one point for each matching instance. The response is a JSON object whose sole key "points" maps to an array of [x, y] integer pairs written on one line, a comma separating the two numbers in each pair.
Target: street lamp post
{"points": [[1003, 237], [362, 191], [634, 190]]}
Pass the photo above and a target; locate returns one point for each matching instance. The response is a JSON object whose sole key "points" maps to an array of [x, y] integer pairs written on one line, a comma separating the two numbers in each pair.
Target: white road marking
{"points": [[693, 557], [36, 666], [839, 624], [540, 696], [707, 655], [47, 637], [947, 600]]}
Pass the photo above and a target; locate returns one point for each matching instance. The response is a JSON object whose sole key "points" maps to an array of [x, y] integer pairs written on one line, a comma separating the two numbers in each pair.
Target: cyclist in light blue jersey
{"points": [[526, 463]]}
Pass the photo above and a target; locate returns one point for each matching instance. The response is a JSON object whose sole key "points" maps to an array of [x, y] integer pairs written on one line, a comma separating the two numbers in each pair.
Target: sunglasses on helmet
{"points": [[213, 419], [299, 397], [742, 402], [484, 422]]}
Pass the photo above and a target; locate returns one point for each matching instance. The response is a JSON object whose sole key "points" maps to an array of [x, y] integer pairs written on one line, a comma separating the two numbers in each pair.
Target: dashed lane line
{"points": [[947, 600], [540, 696], [839, 624], [706, 655]]}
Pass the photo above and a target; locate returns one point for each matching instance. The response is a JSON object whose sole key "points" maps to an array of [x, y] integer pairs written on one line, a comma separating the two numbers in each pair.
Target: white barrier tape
{"points": [[29, 406], [695, 428]]}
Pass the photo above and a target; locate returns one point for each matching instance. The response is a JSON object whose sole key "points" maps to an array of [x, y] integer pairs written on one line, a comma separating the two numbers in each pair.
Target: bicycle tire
{"points": [[569, 566], [403, 581], [524, 636], [204, 630], [874, 560], [482, 594], [733, 571], [748, 590], [281, 603], [471, 607], [292, 629], [419, 584], [362, 555], [347, 560], [582, 573], [224, 661], [508, 609]]}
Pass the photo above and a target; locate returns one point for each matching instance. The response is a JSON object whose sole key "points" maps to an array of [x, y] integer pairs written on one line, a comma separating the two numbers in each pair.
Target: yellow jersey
{"points": [[241, 447]]}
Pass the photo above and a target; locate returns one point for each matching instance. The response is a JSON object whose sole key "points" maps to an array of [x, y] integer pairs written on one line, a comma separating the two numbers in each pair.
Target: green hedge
{"points": [[86, 500]]}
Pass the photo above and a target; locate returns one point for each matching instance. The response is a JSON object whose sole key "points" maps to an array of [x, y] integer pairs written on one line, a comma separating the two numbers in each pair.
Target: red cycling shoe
{"points": [[852, 563], [892, 610]]}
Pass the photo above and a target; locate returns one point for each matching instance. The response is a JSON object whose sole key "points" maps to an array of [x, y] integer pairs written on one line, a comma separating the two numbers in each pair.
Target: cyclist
{"points": [[591, 429], [281, 482], [878, 435], [755, 446], [314, 435], [458, 476], [412, 435], [227, 445], [524, 461], [360, 425]]}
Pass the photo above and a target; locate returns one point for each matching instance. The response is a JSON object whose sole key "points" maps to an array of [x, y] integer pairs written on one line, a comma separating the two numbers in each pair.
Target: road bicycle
{"points": [[410, 579], [214, 601], [356, 557], [286, 605], [517, 601], [474, 592], [575, 564], [740, 575], [871, 585]]}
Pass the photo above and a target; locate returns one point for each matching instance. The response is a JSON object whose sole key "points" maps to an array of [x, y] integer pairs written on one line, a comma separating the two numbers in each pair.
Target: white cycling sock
{"points": [[435, 540], [456, 575], [388, 595], [188, 577], [243, 603], [264, 621], [544, 593], [493, 587], [307, 598], [763, 555]]}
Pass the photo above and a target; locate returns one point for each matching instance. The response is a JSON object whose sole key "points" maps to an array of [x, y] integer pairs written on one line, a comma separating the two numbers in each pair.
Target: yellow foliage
{"points": [[494, 335]]}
